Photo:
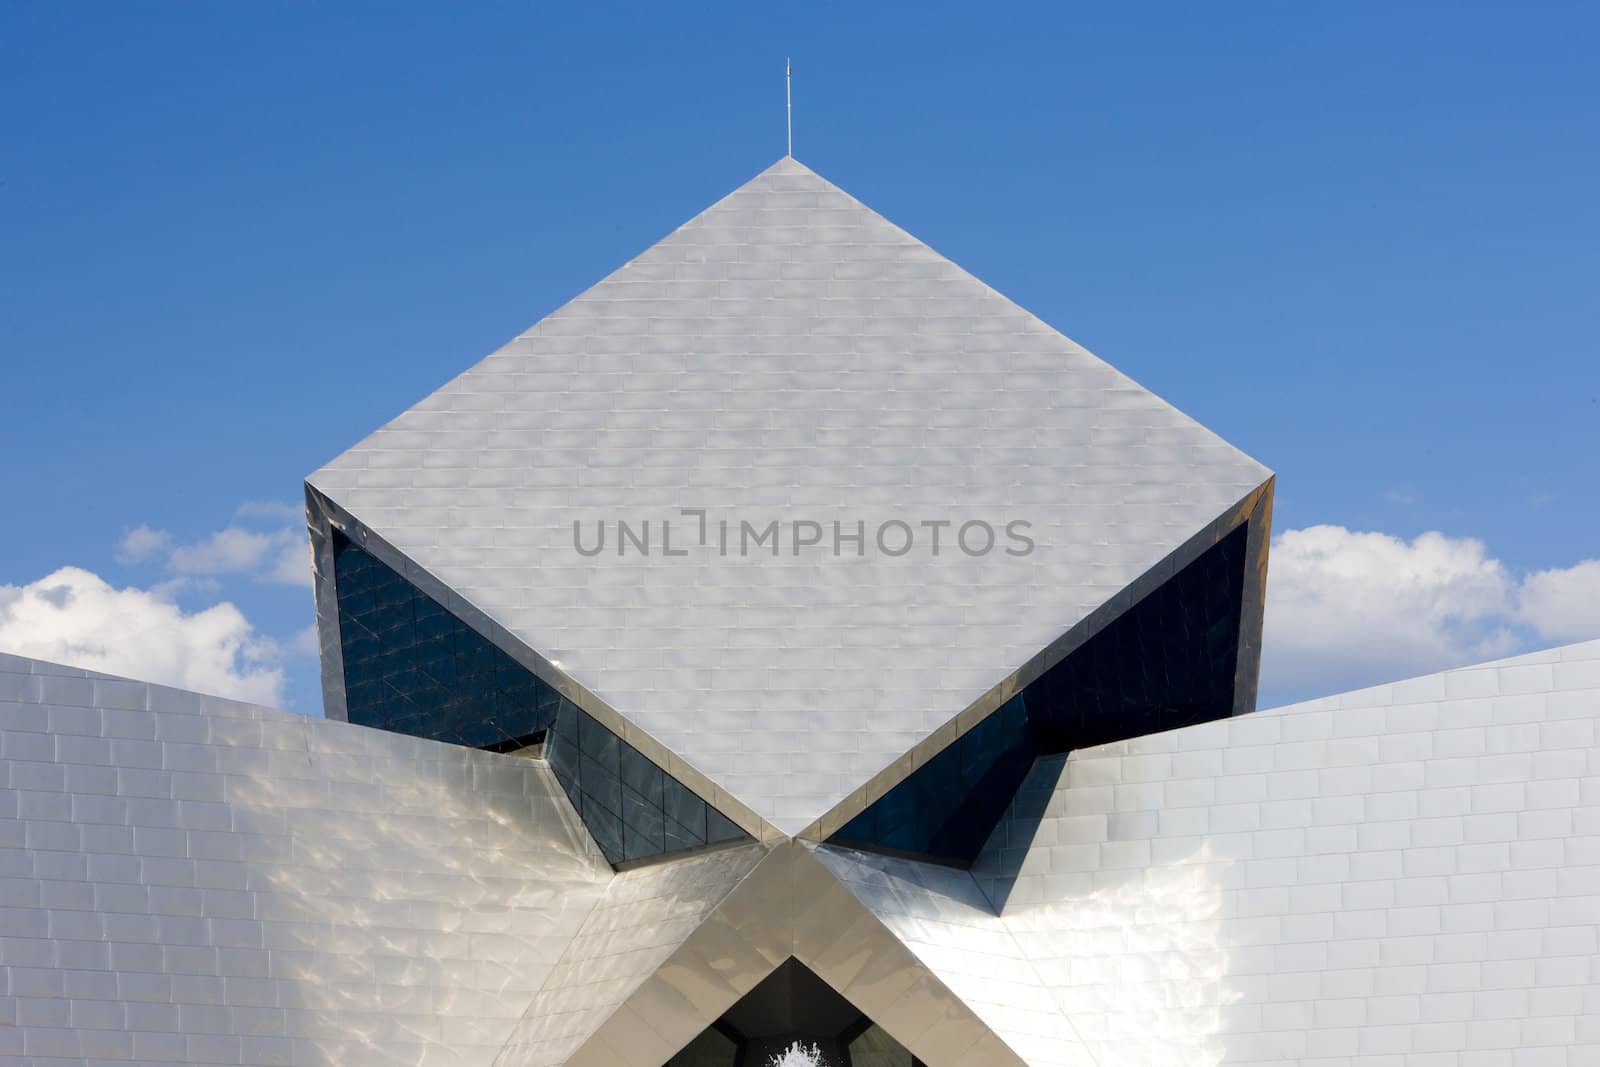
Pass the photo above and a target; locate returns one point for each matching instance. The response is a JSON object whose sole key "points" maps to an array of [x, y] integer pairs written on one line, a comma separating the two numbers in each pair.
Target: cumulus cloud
{"points": [[75, 617], [1350, 608], [141, 543], [1563, 604]]}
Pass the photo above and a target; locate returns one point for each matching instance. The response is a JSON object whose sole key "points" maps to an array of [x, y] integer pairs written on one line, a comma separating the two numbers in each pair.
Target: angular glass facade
{"points": [[633, 808], [1168, 661], [412, 667], [946, 809]]}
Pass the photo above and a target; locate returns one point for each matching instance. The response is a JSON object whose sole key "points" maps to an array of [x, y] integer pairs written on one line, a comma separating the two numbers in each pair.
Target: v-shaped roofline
{"points": [[789, 903]]}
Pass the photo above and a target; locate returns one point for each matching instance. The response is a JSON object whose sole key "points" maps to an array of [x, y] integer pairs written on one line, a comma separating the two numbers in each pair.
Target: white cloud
{"points": [[75, 617], [140, 543], [276, 555], [1347, 608], [229, 551], [292, 566], [265, 540], [1563, 604]]}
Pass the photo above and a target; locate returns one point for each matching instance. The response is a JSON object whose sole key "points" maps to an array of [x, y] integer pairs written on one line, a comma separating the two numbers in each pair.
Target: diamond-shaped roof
{"points": [[789, 355]]}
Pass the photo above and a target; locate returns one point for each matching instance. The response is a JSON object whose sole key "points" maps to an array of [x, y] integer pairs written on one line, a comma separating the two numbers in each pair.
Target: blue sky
{"points": [[1360, 241]]}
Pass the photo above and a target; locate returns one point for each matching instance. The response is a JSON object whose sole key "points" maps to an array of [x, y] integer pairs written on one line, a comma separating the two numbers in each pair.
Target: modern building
{"points": [[790, 638]]}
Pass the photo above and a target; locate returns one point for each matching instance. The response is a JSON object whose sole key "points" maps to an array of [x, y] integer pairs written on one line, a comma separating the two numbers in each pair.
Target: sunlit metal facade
{"points": [[602, 785]]}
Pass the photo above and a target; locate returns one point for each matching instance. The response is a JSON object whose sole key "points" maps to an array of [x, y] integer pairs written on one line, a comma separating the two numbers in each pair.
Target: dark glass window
{"points": [[412, 667], [1167, 662]]}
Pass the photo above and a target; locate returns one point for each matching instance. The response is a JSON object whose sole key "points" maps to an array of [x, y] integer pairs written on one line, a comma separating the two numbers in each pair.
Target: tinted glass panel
{"points": [[412, 667], [1168, 661]]}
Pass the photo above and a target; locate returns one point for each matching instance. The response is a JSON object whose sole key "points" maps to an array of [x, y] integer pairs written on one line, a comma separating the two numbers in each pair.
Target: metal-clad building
{"points": [[791, 638]]}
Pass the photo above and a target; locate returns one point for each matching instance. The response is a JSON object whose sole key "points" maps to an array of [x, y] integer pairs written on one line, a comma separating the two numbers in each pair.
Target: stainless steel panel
{"points": [[189, 879], [645, 916], [220, 882], [789, 905], [948, 925]]}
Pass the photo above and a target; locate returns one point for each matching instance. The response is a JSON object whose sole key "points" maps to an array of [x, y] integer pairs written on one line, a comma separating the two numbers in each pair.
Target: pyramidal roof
{"points": [[788, 356]]}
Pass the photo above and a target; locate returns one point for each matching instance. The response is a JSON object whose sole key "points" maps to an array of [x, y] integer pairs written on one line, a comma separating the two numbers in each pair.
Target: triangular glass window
{"points": [[413, 667], [1166, 662]]}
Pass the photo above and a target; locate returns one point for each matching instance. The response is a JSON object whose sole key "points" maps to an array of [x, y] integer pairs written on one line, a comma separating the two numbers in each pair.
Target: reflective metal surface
{"points": [[645, 917], [789, 356], [1405, 870], [320, 526], [790, 905], [193, 880], [1399, 873], [1404, 875], [852, 949], [943, 918]]}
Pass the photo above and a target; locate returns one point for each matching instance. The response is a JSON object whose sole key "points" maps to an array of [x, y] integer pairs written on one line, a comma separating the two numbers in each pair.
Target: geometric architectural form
{"points": [[790, 639], [789, 907], [702, 501], [1402, 872]]}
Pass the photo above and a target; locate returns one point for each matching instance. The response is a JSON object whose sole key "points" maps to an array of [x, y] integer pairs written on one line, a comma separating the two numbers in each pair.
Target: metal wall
{"points": [[1408, 874], [185, 879], [1405, 875]]}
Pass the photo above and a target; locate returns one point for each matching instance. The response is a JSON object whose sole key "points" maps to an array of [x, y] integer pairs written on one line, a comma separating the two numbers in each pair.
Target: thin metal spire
{"points": [[788, 100]]}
